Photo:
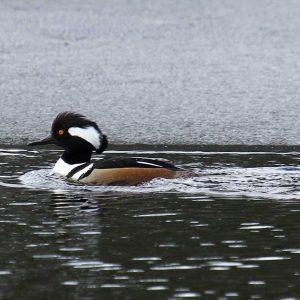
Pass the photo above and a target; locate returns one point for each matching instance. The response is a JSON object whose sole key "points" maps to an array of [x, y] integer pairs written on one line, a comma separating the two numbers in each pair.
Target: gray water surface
{"points": [[232, 231], [162, 72]]}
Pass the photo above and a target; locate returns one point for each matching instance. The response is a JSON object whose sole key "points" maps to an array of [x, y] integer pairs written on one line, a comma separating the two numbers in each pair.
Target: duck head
{"points": [[76, 134]]}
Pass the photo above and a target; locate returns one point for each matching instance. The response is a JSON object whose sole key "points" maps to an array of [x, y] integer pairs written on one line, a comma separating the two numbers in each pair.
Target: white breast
{"points": [[63, 168]]}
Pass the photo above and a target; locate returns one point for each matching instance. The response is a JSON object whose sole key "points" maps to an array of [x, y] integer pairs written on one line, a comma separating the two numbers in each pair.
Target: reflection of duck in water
{"points": [[67, 204], [80, 137]]}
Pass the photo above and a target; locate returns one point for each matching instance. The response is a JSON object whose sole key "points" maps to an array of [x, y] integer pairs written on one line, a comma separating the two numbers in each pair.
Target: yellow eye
{"points": [[60, 132]]}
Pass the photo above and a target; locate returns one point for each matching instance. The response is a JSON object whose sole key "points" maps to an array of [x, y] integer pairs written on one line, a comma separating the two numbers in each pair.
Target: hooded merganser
{"points": [[80, 137]]}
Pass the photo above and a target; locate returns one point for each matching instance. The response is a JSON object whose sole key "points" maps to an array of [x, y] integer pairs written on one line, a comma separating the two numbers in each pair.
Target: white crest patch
{"points": [[90, 134]]}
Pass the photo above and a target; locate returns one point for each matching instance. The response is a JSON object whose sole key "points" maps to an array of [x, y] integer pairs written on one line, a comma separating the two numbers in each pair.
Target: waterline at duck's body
{"points": [[80, 137]]}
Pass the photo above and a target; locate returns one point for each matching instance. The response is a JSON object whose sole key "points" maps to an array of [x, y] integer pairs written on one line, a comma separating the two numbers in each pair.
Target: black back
{"points": [[133, 162]]}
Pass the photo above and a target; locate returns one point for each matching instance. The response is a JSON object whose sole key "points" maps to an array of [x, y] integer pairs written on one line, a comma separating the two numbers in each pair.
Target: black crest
{"points": [[68, 119]]}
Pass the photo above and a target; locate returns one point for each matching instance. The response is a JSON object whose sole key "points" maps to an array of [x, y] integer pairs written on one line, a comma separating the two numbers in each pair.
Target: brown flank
{"points": [[130, 176]]}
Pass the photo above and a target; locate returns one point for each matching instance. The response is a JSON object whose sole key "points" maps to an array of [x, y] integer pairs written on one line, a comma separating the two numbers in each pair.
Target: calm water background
{"points": [[185, 72], [232, 231]]}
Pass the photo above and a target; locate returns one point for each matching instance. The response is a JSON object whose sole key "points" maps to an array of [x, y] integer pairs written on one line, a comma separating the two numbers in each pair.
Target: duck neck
{"points": [[77, 156]]}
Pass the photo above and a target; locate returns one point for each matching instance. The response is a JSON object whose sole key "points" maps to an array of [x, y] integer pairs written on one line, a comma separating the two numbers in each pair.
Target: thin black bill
{"points": [[46, 141]]}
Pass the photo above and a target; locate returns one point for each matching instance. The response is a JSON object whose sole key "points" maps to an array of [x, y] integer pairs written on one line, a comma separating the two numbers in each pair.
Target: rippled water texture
{"points": [[232, 231]]}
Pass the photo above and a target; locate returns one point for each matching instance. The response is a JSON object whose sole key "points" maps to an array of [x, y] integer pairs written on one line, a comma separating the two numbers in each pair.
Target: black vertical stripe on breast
{"points": [[77, 169], [87, 173]]}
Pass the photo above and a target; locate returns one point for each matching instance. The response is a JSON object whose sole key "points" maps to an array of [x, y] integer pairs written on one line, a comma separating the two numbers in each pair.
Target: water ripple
{"points": [[265, 182]]}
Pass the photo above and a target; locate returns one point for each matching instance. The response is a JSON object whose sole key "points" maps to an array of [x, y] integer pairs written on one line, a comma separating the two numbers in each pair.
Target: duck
{"points": [[80, 137]]}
